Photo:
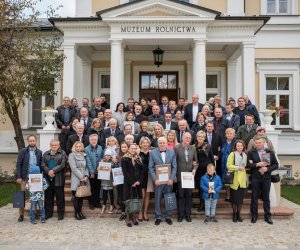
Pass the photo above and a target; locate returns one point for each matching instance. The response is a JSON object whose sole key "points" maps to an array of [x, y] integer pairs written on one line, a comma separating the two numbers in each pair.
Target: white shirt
{"points": [[168, 125], [195, 112], [163, 156], [228, 116]]}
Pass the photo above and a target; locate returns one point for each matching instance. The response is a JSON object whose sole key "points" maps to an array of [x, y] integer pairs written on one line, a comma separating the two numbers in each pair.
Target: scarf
{"points": [[240, 160]]}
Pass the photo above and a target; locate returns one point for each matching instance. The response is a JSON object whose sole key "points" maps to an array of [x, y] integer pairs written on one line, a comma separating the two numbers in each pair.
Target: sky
{"points": [[68, 8]]}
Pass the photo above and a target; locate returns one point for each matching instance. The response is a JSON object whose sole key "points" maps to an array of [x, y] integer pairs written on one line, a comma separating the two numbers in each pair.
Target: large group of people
{"points": [[206, 139]]}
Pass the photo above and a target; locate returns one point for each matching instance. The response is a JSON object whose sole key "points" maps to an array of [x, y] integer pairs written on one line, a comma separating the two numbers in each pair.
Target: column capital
{"points": [[70, 46], [249, 44], [199, 42], [116, 41]]}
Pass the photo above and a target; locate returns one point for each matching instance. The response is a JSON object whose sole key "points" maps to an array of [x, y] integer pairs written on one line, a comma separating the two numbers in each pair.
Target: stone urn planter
{"points": [[267, 119], [49, 115]]}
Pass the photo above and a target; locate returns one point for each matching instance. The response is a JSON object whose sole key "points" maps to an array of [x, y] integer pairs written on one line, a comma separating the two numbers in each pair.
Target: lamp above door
{"points": [[158, 55]]}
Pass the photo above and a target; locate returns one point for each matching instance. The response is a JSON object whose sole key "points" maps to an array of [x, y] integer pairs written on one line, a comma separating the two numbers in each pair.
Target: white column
{"points": [[248, 67], [86, 81], [199, 69], [116, 73], [189, 86], [232, 79], [69, 70]]}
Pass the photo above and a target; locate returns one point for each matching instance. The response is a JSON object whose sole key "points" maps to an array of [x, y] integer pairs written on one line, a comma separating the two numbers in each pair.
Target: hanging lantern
{"points": [[158, 56]]}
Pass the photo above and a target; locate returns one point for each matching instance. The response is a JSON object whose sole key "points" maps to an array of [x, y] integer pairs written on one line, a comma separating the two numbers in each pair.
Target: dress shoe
{"points": [[82, 216], [169, 221], [77, 216], [135, 223], [234, 217], [92, 207], [180, 219], [122, 217], [239, 219], [61, 217], [157, 222], [269, 221], [254, 219], [128, 224], [43, 220], [188, 218], [21, 218], [48, 217]]}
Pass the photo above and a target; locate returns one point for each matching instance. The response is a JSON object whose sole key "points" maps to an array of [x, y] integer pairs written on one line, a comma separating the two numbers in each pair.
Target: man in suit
{"points": [[183, 127], [215, 141], [248, 131], [261, 167], [28, 157], [155, 115], [186, 157], [221, 124], [79, 136], [158, 156], [138, 114], [164, 106], [234, 120], [168, 124], [85, 119], [63, 119], [112, 130], [192, 109], [107, 117], [127, 131], [130, 103], [96, 108]]}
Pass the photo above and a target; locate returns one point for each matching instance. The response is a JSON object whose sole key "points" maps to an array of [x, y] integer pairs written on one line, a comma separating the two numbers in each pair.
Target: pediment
{"points": [[157, 9]]}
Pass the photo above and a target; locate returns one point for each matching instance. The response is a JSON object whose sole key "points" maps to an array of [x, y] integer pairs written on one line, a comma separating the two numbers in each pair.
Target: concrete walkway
{"points": [[108, 233]]}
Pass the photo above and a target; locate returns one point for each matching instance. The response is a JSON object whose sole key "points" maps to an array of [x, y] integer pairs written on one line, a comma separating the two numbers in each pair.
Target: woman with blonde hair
{"points": [[80, 173], [95, 128], [144, 154], [158, 132], [171, 139]]}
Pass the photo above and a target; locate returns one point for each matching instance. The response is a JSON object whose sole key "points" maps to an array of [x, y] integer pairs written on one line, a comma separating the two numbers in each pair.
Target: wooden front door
{"points": [[154, 85]]}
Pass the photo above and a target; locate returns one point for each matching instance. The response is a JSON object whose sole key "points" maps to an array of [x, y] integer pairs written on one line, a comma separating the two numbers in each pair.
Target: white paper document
{"points": [[187, 180], [118, 176], [104, 170], [35, 182]]}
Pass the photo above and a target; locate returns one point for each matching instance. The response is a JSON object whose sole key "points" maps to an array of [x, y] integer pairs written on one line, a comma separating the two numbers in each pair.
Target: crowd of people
{"points": [[208, 140]]}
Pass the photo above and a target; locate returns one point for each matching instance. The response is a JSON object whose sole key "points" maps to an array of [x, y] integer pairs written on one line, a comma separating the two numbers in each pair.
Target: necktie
{"points": [[113, 132], [165, 108], [209, 139], [181, 134]]}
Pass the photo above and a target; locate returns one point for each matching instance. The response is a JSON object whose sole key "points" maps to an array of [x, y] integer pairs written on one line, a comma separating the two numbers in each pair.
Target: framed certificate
{"points": [[163, 172], [35, 182], [104, 170], [187, 180], [118, 176]]}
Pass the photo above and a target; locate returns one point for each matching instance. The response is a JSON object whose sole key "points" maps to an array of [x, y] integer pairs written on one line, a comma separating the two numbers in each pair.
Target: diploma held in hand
{"points": [[35, 182], [104, 170], [187, 180], [163, 172]]}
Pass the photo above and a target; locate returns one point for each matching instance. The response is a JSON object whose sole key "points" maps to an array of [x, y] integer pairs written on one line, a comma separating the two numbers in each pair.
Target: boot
{"points": [[128, 220], [234, 217], [75, 204], [238, 217]]}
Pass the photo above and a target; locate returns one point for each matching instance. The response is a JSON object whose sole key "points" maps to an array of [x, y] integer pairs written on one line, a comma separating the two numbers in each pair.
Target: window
{"points": [[278, 93], [279, 7], [158, 81], [212, 85], [104, 85], [37, 105]]}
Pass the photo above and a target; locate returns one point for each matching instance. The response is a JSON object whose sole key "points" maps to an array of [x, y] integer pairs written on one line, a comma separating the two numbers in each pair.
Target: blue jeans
{"points": [[210, 207], [40, 203], [158, 192]]}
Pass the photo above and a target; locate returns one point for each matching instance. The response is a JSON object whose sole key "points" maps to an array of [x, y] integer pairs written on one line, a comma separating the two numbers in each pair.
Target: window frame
{"points": [[97, 76], [292, 8], [221, 82]]}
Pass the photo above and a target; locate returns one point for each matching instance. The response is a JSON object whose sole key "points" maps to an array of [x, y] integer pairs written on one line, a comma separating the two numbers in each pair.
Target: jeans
{"points": [[158, 192], [210, 207], [40, 203]]}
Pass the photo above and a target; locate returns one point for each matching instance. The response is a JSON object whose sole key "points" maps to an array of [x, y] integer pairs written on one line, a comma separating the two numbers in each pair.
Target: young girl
{"points": [[120, 188], [112, 143], [107, 185], [211, 185]]}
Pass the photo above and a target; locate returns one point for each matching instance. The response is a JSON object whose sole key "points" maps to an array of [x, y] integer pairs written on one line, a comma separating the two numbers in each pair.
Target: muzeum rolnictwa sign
{"points": [[158, 29]]}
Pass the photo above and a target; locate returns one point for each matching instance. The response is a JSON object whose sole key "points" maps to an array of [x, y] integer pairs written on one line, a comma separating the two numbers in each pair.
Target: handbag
{"points": [[275, 178], [19, 199], [228, 179], [133, 205], [170, 201], [83, 190]]}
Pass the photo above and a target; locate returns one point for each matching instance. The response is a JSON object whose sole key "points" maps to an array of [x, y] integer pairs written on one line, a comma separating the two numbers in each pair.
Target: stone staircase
{"points": [[223, 210]]}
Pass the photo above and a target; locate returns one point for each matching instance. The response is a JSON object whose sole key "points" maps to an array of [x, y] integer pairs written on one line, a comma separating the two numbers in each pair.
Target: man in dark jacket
{"points": [[113, 130], [63, 119], [192, 109], [28, 157], [79, 136], [54, 163], [220, 123], [96, 108], [168, 124], [155, 116], [182, 128], [252, 110], [261, 162], [248, 131]]}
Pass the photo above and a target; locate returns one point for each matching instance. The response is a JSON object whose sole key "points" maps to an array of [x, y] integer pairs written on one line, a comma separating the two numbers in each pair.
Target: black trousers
{"points": [[184, 200], [77, 202], [260, 186], [49, 200], [120, 191], [109, 192], [95, 184]]}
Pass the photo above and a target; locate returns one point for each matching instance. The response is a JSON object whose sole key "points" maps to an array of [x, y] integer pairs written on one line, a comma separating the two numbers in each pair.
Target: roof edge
{"points": [[52, 20]]}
